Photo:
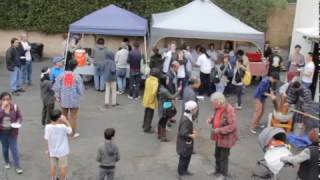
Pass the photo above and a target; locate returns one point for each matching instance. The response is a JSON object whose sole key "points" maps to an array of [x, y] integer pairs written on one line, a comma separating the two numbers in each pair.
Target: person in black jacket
{"points": [[13, 62], [267, 50], [156, 60], [308, 158], [47, 95], [185, 139]]}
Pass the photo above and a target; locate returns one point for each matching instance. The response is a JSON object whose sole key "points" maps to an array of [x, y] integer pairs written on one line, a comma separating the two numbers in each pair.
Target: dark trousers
{"points": [[222, 157], [238, 92], [181, 82], [163, 122], [134, 86], [205, 84], [68, 59], [184, 161], [148, 115], [46, 110], [106, 174]]}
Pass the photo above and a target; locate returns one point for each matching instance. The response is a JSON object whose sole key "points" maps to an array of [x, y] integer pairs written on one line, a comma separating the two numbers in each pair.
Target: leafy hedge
{"points": [[54, 16]]}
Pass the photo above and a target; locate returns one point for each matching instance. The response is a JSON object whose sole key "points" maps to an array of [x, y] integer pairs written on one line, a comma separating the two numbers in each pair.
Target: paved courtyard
{"points": [[143, 157]]}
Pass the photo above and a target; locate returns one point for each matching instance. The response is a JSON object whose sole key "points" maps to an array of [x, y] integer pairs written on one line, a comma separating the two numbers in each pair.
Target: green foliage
{"points": [[54, 16]]}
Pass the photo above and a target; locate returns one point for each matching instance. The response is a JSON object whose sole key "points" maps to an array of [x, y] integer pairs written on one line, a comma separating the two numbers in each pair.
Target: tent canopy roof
{"points": [[202, 19], [111, 20]]}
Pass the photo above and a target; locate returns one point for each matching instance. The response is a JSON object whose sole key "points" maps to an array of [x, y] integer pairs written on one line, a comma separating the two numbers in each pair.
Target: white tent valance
{"points": [[202, 19]]}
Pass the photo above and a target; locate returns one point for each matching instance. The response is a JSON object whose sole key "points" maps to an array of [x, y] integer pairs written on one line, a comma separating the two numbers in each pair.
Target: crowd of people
{"points": [[173, 76]]}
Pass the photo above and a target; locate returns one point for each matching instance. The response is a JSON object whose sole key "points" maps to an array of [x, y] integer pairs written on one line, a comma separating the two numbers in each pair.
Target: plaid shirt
{"points": [[228, 131]]}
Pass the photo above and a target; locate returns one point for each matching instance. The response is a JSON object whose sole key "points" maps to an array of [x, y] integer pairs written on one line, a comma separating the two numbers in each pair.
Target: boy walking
{"points": [[56, 135], [108, 155]]}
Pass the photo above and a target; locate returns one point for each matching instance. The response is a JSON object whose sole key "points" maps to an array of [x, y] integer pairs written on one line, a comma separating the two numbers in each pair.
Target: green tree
{"points": [[53, 16]]}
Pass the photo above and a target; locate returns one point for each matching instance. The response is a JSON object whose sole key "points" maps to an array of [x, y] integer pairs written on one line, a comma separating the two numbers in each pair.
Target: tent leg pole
{"points": [[67, 47], [145, 48]]}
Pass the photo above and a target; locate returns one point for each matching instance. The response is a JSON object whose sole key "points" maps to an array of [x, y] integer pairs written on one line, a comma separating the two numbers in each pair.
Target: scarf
{"points": [[218, 121]]}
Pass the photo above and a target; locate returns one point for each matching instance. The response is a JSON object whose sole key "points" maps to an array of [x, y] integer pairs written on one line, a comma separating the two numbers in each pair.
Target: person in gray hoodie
{"points": [[108, 155], [100, 55], [110, 80]]}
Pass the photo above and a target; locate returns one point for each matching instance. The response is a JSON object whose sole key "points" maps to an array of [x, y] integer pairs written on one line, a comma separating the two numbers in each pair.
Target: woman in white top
{"points": [[182, 71], [308, 71], [205, 69]]}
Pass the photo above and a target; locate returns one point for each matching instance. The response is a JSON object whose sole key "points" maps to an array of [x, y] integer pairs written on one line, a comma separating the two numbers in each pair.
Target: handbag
{"points": [[168, 109], [247, 78], [215, 78]]}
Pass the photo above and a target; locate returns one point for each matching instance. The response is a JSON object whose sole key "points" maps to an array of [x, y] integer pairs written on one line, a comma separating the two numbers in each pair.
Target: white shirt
{"points": [[57, 137], [27, 48], [204, 63], [167, 61], [181, 72], [308, 68]]}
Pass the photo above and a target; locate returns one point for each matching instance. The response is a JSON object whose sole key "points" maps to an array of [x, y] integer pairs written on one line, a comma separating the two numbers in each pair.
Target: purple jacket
{"points": [[15, 115]]}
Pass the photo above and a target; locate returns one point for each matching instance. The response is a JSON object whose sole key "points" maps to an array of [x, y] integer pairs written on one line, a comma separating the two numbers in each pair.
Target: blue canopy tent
{"points": [[111, 20]]}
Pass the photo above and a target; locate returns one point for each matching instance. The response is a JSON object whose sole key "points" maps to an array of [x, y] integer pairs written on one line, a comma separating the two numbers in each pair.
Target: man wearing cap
{"points": [[57, 68], [185, 139]]}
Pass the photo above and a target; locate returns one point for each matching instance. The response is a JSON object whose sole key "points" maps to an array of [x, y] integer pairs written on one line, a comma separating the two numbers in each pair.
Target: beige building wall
{"points": [[280, 24], [53, 43]]}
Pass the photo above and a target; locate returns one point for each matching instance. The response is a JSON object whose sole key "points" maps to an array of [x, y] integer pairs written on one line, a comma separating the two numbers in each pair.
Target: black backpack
{"points": [[214, 76]]}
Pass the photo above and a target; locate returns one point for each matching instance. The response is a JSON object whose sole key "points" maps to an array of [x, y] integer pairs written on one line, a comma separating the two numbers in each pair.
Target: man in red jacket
{"points": [[224, 132]]}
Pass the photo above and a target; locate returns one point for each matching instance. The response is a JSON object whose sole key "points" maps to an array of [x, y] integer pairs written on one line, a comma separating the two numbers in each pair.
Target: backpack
{"points": [[214, 76]]}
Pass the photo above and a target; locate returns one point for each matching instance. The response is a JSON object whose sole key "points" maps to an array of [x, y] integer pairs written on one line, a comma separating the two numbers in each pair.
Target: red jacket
{"points": [[228, 131]]}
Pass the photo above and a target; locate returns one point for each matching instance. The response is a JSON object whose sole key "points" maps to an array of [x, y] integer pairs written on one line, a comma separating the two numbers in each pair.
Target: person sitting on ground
{"points": [[47, 95], [57, 69], [264, 90], [108, 155], [56, 134], [308, 158], [224, 132]]}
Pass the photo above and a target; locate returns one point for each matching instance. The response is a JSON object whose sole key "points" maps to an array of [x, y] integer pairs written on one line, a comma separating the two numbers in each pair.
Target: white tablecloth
{"points": [[85, 70]]}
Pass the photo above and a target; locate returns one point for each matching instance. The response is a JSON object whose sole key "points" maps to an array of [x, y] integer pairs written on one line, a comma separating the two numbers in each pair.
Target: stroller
{"points": [[272, 141]]}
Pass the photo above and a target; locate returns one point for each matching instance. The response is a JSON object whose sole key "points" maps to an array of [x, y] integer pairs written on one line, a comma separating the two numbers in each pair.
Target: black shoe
{"points": [[149, 131], [21, 90], [15, 93], [188, 173], [180, 177]]}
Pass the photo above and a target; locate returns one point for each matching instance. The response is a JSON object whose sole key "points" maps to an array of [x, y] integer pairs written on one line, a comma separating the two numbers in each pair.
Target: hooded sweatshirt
{"points": [[108, 154]]}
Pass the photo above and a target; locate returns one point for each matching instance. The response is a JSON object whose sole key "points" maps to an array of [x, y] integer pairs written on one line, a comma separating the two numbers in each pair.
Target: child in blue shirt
{"points": [[57, 68]]}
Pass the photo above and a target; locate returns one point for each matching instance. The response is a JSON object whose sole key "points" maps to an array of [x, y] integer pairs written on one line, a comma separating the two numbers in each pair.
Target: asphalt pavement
{"points": [[143, 157]]}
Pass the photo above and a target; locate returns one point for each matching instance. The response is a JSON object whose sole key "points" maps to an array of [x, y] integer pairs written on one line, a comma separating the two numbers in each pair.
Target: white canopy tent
{"points": [[202, 19]]}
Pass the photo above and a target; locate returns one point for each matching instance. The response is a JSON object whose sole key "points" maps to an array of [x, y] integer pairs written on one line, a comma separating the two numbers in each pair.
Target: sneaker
{"points": [[21, 90], [238, 107], [19, 171], [130, 97], [253, 131], [188, 173], [7, 166], [76, 135], [137, 98], [118, 92], [261, 126], [114, 105]]}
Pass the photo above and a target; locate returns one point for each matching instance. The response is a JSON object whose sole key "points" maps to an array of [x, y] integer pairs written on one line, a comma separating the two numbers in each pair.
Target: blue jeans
{"points": [[306, 85], [9, 141], [220, 87], [15, 79], [99, 81], [121, 82], [26, 73]]}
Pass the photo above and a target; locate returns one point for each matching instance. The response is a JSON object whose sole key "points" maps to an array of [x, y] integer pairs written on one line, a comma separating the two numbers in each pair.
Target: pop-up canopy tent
{"points": [[111, 20], [201, 19]]}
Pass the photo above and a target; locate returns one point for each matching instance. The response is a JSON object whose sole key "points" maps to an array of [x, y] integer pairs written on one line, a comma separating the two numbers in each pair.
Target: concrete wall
{"points": [[53, 43], [307, 16], [280, 24]]}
